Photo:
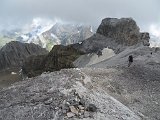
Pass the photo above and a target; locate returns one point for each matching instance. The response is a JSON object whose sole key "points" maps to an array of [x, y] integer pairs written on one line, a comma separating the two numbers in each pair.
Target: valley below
{"points": [[8, 77]]}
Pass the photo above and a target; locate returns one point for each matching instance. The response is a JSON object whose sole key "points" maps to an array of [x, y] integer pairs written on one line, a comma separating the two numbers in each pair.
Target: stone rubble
{"points": [[75, 106], [61, 95]]}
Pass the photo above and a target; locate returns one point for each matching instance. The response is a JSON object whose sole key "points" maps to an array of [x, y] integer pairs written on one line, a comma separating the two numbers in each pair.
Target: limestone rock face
{"points": [[14, 53], [124, 31], [115, 34]]}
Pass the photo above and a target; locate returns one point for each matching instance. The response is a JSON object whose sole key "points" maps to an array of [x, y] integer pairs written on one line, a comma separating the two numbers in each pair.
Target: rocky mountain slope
{"points": [[13, 54], [136, 86], [104, 89], [67, 94], [115, 34], [59, 57], [94, 44]]}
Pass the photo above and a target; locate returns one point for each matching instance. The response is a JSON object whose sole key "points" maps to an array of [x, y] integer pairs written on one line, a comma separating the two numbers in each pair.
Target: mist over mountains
{"points": [[48, 33]]}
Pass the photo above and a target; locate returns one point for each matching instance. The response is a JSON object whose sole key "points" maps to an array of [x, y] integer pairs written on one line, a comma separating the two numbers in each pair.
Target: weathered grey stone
{"points": [[26, 100], [73, 110], [145, 38], [124, 31], [81, 107], [49, 101], [70, 114], [86, 114], [91, 108], [82, 102]]}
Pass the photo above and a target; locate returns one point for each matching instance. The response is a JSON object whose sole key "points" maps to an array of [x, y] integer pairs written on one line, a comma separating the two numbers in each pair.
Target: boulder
{"points": [[70, 114]]}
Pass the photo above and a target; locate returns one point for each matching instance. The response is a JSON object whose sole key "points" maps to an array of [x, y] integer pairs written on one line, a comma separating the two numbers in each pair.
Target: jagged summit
{"points": [[56, 34], [124, 31], [116, 34]]}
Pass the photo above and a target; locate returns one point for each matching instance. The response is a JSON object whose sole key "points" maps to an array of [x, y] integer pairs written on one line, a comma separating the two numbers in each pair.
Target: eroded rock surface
{"points": [[124, 31], [58, 58], [67, 94], [116, 34]]}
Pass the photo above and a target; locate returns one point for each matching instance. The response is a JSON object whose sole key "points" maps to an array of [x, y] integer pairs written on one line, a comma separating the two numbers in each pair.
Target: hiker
{"points": [[130, 60], [99, 52]]}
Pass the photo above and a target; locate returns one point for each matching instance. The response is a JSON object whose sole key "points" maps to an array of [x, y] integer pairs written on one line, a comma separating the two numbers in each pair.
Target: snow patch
{"points": [[13, 73]]}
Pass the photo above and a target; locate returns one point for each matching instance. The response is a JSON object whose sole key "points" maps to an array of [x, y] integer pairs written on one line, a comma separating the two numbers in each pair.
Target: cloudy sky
{"points": [[15, 13]]}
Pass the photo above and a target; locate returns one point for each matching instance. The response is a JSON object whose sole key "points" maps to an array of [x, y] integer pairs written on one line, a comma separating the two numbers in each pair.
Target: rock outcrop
{"points": [[13, 54], [124, 31], [116, 34], [145, 38], [58, 58]]}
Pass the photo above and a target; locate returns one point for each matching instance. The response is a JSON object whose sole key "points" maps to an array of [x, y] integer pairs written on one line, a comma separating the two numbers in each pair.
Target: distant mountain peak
{"points": [[47, 35]]}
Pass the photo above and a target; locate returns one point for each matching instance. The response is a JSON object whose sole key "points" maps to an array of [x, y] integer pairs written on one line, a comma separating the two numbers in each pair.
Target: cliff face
{"points": [[116, 34], [124, 31], [59, 57], [14, 53]]}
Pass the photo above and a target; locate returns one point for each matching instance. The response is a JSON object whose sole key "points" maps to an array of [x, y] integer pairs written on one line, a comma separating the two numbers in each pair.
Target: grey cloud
{"points": [[19, 12]]}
